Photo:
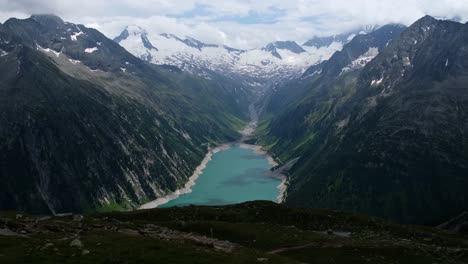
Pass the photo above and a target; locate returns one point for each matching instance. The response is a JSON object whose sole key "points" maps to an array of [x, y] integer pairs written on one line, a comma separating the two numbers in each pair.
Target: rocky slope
{"points": [[86, 125], [388, 139], [254, 232]]}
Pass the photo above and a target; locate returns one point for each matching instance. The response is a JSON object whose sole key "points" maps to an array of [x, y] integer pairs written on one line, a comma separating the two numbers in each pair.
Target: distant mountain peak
{"points": [[366, 29], [48, 19], [281, 59], [189, 41], [168, 36], [357, 53], [343, 38], [286, 45], [426, 20], [137, 31]]}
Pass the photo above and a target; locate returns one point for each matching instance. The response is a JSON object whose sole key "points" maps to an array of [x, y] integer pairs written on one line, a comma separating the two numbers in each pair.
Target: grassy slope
{"points": [[260, 231]]}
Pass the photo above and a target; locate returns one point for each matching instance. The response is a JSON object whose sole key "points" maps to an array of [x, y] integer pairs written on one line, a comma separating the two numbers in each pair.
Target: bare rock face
{"points": [[76, 243]]}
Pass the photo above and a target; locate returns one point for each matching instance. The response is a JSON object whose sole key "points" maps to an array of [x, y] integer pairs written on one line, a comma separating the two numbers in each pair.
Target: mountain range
{"points": [[267, 66]]}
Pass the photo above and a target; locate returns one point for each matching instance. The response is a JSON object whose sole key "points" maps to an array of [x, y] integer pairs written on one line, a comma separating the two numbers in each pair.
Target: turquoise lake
{"points": [[231, 176]]}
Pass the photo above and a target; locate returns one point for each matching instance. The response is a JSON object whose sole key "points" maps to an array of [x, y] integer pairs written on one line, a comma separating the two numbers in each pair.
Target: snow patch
{"points": [[123, 69], [447, 62], [74, 61], [56, 53], [3, 53], [376, 82], [406, 61], [426, 29], [48, 50], [317, 72], [351, 37], [365, 58], [90, 50], [135, 30], [186, 136], [75, 35]]}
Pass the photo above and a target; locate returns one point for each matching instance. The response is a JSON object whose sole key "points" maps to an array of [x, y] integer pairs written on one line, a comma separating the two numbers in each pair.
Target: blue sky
{"points": [[237, 23]]}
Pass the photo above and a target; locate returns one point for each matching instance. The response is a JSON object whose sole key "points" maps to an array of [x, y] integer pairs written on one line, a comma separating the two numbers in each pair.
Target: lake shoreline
{"points": [[246, 133], [280, 176], [189, 184]]}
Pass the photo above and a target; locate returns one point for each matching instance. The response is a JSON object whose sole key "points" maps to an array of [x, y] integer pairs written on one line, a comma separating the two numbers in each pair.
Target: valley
{"points": [[231, 173], [194, 137], [326, 115]]}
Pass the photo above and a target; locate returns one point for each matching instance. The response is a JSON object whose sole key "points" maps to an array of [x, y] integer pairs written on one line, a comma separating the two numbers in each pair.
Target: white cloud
{"points": [[237, 23]]}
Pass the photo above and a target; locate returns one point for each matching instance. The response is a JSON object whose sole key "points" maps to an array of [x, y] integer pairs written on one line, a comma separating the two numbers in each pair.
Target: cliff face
{"points": [[86, 125]]}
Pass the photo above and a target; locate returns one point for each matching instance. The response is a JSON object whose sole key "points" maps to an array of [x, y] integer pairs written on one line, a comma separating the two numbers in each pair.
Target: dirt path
{"points": [[285, 249]]}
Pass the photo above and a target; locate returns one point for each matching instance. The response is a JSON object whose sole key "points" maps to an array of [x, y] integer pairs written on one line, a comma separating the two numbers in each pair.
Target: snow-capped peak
{"points": [[135, 30], [275, 62], [291, 46], [191, 42], [340, 39], [135, 39], [288, 45]]}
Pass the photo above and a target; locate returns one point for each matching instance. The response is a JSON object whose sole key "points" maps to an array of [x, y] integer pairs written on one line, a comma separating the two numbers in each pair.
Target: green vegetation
{"points": [[253, 232]]}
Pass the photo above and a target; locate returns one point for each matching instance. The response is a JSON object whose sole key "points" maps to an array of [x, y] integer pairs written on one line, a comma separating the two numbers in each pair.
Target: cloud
{"points": [[238, 23]]}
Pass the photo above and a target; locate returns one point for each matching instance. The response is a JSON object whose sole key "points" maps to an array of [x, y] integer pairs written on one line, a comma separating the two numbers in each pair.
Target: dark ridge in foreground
{"points": [[252, 232]]}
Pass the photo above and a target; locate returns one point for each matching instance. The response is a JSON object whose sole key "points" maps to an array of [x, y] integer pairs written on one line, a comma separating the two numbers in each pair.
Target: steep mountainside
{"points": [[258, 68], [87, 125], [254, 232], [354, 56], [389, 139]]}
